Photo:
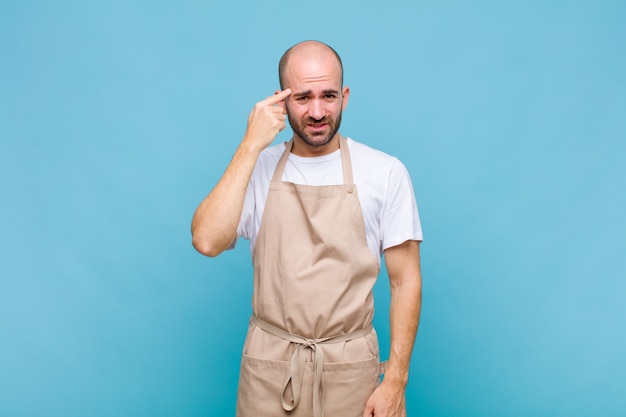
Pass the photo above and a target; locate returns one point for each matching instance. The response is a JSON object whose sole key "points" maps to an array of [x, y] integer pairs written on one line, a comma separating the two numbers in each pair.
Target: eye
{"points": [[302, 98], [330, 96]]}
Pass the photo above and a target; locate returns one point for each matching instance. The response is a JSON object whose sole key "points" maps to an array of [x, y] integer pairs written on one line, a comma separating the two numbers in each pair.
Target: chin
{"points": [[320, 140]]}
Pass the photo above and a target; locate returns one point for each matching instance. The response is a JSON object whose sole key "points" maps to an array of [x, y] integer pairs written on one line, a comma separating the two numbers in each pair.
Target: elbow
{"points": [[206, 247], [209, 241], [210, 245]]}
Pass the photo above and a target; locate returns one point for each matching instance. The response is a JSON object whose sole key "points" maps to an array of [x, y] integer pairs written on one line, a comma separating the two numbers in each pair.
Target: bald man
{"points": [[319, 212]]}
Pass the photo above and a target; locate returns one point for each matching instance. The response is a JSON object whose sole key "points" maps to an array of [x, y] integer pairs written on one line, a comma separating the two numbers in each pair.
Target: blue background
{"points": [[118, 117]]}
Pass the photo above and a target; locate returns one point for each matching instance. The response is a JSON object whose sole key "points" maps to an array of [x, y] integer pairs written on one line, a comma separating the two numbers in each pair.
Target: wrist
{"points": [[396, 378], [249, 146], [397, 383]]}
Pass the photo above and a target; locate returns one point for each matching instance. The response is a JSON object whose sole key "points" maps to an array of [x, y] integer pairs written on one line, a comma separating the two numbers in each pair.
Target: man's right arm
{"points": [[214, 224]]}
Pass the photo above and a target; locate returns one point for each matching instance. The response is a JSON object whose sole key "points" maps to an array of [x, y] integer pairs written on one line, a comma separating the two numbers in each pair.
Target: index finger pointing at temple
{"points": [[274, 99]]}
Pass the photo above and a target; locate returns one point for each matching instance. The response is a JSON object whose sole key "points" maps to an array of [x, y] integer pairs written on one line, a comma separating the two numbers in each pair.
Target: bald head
{"points": [[312, 51]]}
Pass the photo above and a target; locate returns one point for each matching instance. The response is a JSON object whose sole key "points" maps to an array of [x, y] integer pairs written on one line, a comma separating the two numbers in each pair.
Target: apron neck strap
{"points": [[346, 162]]}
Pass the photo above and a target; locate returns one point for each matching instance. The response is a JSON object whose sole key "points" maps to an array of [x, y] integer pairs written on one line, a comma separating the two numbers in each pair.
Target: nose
{"points": [[316, 110]]}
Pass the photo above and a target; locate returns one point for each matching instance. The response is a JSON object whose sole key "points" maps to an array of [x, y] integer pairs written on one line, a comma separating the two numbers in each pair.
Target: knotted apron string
{"points": [[295, 372]]}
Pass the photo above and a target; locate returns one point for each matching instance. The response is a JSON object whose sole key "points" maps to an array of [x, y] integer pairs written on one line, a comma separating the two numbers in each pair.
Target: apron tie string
{"points": [[292, 382]]}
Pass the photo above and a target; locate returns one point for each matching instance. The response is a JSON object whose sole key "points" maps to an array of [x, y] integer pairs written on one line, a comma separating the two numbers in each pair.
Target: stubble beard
{"points": [[316, 139]]}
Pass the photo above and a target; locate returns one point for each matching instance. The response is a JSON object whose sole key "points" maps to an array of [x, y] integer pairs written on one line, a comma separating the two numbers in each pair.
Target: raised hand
{"points": [[266, 120]]}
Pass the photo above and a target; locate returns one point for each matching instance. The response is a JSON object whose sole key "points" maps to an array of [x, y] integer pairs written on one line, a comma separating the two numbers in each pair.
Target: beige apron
{"points": [[311, 349]]}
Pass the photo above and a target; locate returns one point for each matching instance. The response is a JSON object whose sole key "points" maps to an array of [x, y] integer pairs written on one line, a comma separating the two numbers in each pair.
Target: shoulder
{"points": [[361, 149], [374, 161]]}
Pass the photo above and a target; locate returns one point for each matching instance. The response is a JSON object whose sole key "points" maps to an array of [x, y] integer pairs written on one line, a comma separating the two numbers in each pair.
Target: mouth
{"points": [[317, 126]]}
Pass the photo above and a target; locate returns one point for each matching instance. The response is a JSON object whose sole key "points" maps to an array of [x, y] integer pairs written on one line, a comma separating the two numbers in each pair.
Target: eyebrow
{"points": [[309, 92]]}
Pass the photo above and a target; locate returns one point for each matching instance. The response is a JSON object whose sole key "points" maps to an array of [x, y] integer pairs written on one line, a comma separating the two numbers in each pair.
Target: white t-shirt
{"points": [[382, 182]]}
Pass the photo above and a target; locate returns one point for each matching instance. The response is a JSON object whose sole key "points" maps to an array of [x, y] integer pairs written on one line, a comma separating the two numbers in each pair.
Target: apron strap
{"points": [[292, 382], [346, 162], [280, 167]]}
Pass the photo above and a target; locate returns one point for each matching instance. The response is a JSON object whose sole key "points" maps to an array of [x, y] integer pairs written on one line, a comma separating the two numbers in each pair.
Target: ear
{"points": [[345, 93]]}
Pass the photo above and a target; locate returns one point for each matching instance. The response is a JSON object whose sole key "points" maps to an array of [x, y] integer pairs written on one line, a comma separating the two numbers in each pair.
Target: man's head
{"points": [[314, 72], [282, 65]]}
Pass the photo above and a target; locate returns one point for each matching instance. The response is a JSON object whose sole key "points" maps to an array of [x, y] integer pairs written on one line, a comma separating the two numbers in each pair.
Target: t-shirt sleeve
{"points": [[400, 217]]}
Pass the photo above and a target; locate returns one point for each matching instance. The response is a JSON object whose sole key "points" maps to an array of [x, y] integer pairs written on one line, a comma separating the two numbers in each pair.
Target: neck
{"points": [[301, 148]]}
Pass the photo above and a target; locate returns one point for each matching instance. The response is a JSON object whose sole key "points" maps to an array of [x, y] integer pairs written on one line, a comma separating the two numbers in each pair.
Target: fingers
{"points": [[267, 119], [278, 97]]}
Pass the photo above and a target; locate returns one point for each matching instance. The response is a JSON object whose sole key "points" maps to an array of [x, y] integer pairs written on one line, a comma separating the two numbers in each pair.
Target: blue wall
{"points": [[117, 118]]}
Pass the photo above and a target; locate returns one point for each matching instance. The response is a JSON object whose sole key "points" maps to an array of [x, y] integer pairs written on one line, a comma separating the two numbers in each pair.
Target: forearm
{"points": [[214, 224], [406, 300]]}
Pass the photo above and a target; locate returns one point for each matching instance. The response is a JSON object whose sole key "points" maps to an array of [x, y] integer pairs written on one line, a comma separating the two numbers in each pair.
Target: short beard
{"points": [[310, 139]]}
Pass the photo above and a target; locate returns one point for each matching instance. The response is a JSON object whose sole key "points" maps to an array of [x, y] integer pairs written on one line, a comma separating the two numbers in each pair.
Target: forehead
{"points": [[313, 68]]}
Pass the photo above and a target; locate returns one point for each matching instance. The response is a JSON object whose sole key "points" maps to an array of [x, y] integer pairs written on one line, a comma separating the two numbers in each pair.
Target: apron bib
{"points": [[310, 348]]}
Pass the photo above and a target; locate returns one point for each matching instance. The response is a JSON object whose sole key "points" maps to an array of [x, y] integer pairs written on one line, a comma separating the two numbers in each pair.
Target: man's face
{"points": [[317, 100]]}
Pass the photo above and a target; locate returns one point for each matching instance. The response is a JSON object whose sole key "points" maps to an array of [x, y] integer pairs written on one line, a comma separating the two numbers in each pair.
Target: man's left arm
{"points": [[403, 267]]}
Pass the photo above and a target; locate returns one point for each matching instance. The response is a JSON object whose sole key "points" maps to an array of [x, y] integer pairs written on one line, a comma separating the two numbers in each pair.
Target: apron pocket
{"points": [[260, 386], [348, 386]]}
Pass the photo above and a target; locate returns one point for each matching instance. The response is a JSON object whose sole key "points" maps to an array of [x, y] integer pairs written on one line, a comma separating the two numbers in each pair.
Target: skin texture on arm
{"points": [[403, 266], [214, 224]]}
